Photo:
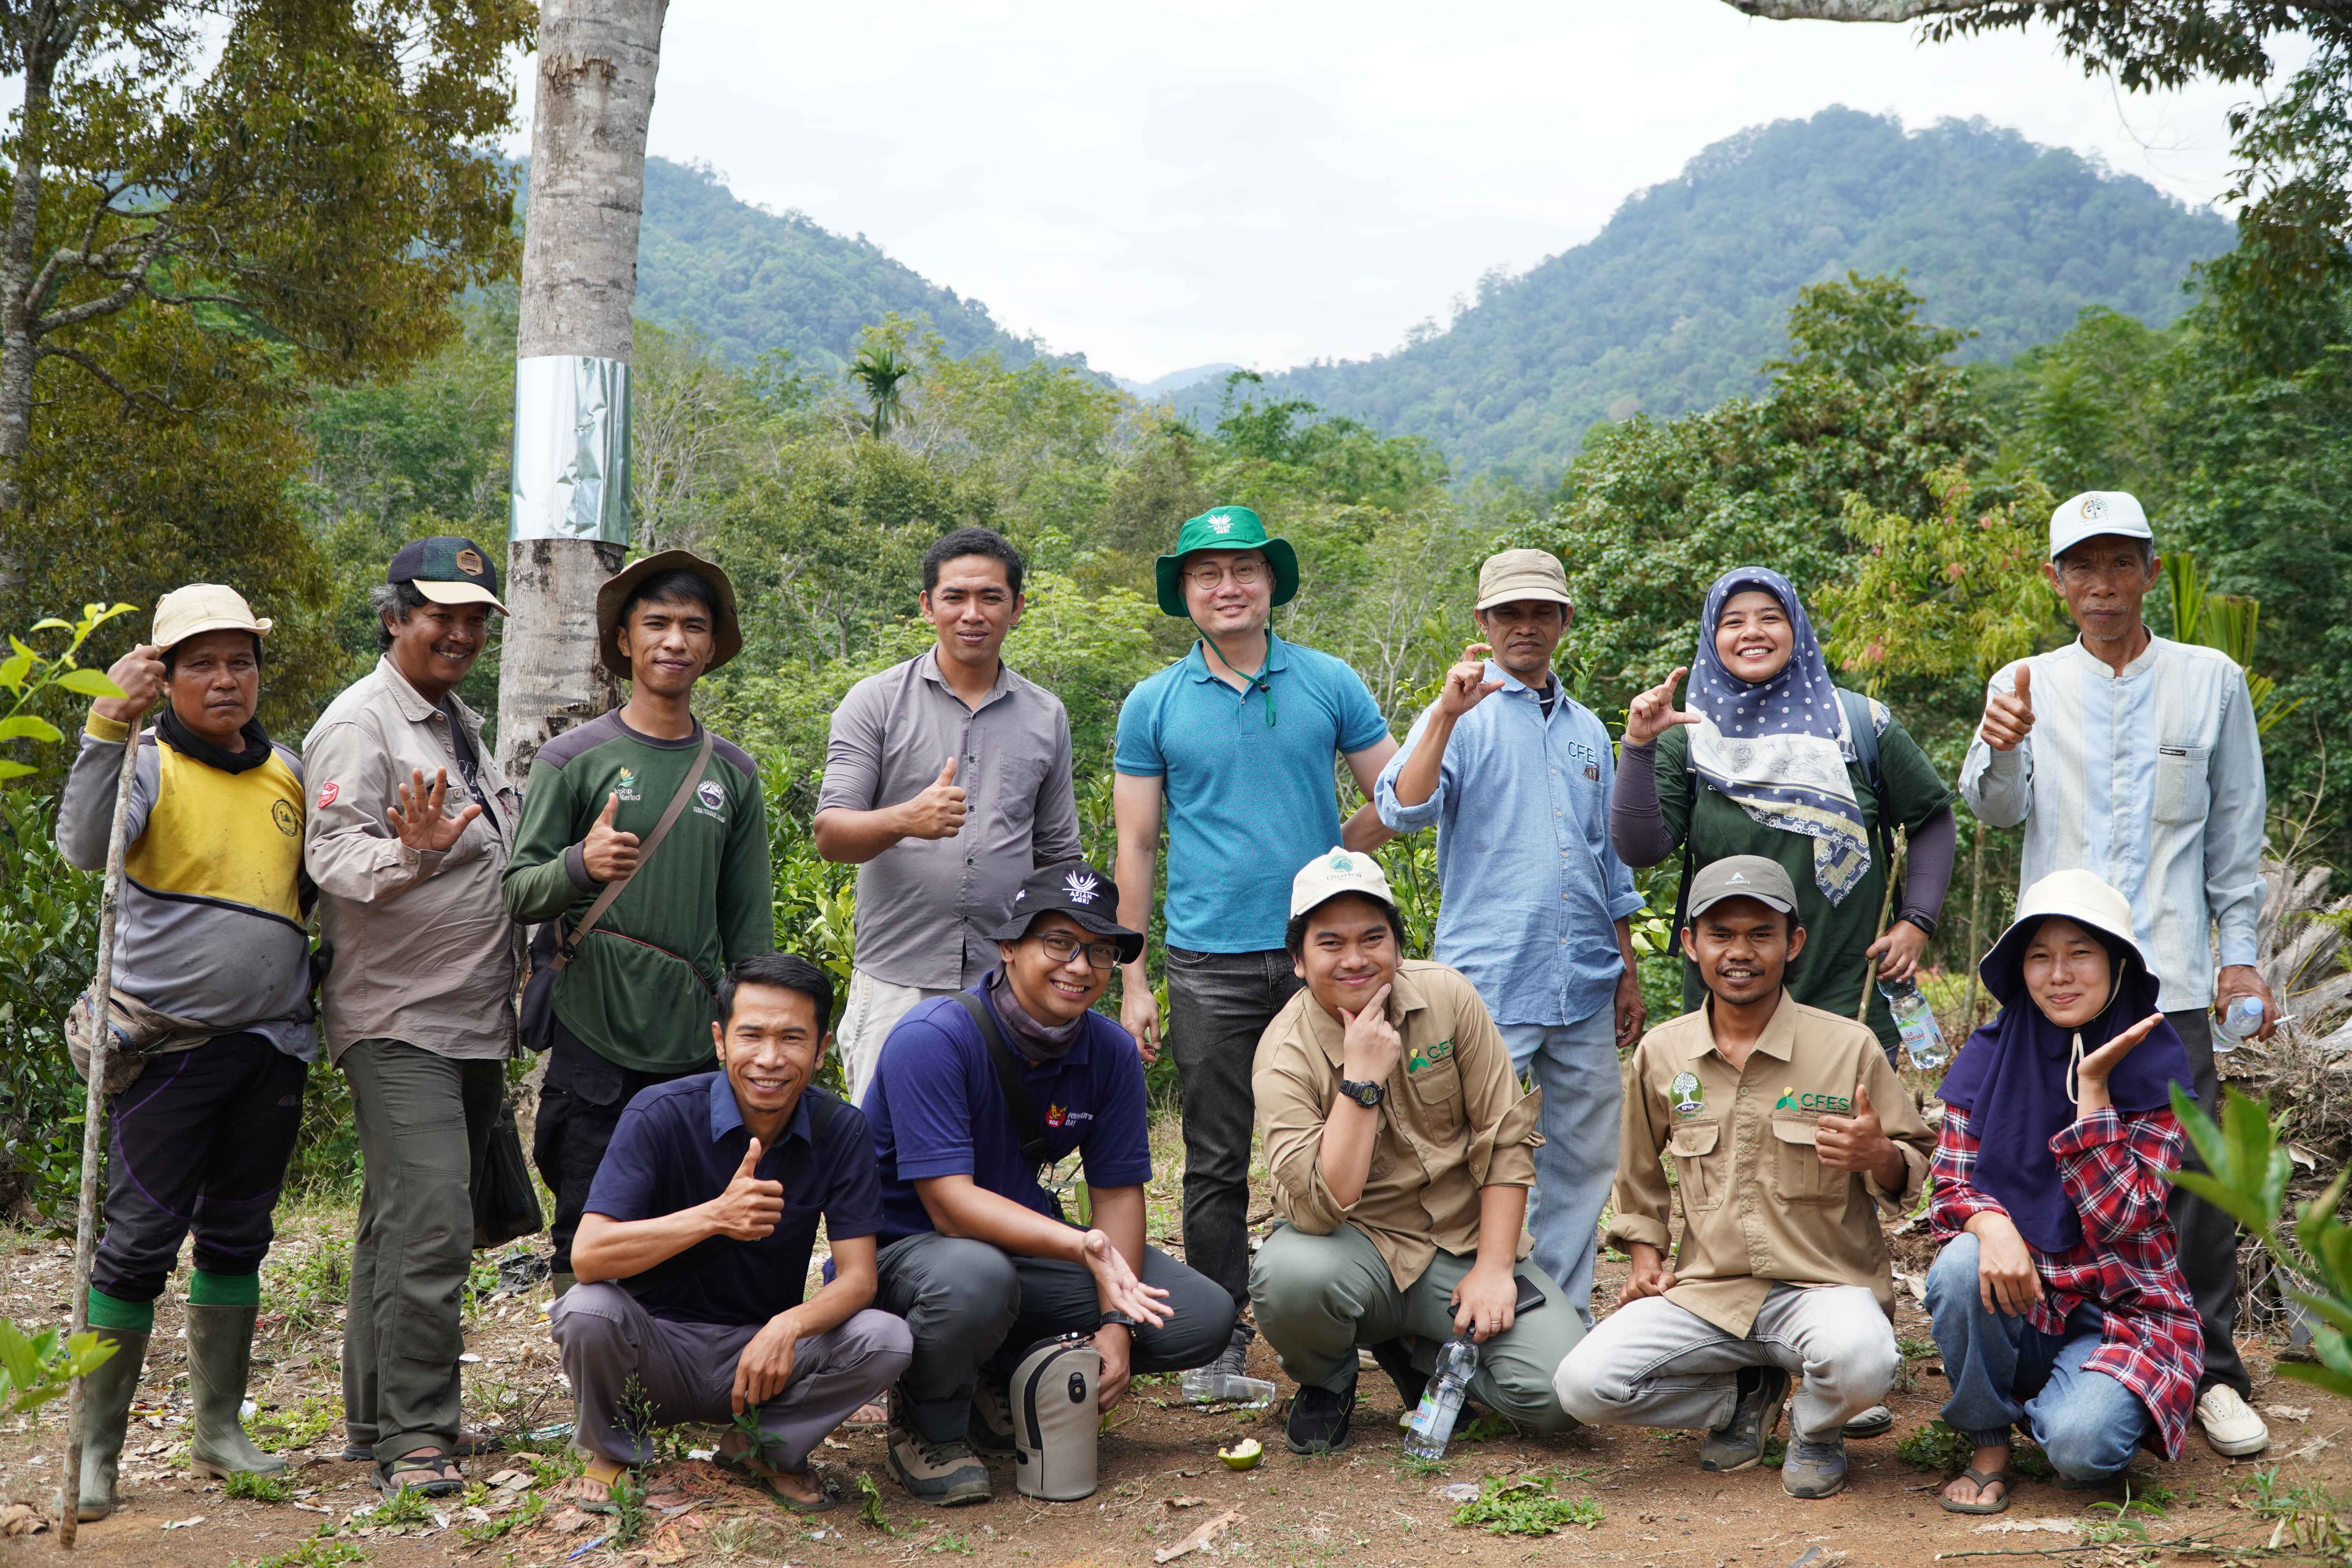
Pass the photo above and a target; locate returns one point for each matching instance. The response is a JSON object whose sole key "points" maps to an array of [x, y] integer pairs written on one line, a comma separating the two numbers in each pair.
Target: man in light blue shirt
{"points": [[2138, 757], [1515, 774], [1236, 743]]}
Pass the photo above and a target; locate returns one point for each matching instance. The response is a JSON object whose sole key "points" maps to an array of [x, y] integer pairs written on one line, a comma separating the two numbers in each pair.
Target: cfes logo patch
{"points": [[1830, 1104]]}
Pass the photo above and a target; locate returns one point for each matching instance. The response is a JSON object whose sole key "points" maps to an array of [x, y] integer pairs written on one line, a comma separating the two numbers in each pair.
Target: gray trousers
{"points": [[2208, 1237], [424, 1123], [632, 1373], [970, 1304], [1654, 1363], [1218, 1004], [1320, 1296]]}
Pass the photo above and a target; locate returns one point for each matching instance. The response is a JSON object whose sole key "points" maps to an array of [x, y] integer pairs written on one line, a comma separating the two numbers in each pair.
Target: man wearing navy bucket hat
{"points": [[1235, 743]]}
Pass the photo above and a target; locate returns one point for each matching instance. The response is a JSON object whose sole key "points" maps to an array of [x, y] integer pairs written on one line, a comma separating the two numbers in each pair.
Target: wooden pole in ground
{"points": [[101, 1037]]}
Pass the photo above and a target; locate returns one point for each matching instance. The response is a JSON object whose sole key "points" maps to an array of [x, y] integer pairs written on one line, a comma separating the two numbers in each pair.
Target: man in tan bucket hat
{"points": [[210, 1009]]}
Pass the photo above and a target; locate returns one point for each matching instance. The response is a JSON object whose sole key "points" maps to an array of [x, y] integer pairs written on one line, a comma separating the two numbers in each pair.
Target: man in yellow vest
{"points": [[210, 1010]]}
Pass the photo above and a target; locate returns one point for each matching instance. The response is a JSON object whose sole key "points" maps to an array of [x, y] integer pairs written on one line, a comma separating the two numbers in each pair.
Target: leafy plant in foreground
{"points": [[1528, 1506], [35, 1368]]}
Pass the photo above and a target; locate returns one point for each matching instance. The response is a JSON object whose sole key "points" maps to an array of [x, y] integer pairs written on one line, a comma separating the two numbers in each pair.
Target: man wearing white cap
{"points": [[2137, 758], [411, 826], [1399, 1143], [210, 1008], [1516, 775]]}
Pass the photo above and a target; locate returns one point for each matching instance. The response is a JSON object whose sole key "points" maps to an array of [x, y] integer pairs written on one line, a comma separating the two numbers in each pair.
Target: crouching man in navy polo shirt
{"points": [[694, 1252], [975, 1256]]}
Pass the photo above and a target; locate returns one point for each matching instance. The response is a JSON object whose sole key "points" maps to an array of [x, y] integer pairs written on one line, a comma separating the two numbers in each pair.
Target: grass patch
{"points": [[1528, 1506], [481, 1533], [322, 1551], [258, 1488], [406, 1506], [2313, 1517], [301, 1423], [301, 1285], [1937, 1446]]}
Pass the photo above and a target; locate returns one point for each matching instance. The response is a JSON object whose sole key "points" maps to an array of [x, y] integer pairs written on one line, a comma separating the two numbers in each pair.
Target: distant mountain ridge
{"points": [[1674, 304]]}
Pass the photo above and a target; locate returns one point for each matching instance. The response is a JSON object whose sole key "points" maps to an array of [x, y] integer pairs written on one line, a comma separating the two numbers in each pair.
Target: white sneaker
{"points": [[2231, 1425]]}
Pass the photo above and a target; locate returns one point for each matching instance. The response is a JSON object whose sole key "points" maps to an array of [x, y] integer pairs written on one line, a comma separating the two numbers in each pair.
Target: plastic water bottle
{"points": [[2238, 1023], [1207, 1385], [1432, 1427], [1916, 1021]]}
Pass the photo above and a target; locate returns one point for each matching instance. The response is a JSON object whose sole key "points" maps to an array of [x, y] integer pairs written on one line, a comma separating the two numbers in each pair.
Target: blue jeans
{"points": [[1575, 1066], [2005, 1372]]}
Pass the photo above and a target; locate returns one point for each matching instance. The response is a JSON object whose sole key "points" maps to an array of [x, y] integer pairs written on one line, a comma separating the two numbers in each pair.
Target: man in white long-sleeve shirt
{"points": [[2137, 758]]}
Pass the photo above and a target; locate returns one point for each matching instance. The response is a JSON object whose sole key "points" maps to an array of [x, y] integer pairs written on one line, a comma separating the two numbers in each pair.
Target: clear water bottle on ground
{"points": [[1207, 1385], [2238, 1023], [1432, 1427], [1923, 1040]]}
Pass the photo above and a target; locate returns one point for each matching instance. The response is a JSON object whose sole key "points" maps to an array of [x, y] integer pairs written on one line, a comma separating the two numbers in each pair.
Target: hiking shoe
{"points": [[1411, 1382], [1739, 1443], [1233, 1359], [1875, 1422], [1318, 1420], [1815, 1470], [990, 1428], [943, 1475], [2231, 1425]]}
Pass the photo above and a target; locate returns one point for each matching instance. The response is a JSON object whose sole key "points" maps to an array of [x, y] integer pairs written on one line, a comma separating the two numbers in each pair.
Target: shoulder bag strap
{"points": [[1008, 1077], [567, 945]]}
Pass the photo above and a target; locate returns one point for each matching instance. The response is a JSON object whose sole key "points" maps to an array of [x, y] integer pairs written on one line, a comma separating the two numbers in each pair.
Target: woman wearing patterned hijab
{"points": [[1767, 760]]}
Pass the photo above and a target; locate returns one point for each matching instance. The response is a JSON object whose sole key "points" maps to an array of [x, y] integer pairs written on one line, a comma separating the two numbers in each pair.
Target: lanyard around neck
{"points": [[1257, 681]]}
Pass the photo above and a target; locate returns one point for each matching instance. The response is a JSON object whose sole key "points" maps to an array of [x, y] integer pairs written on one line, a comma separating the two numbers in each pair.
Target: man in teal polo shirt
{"points": [[1234, 743]]}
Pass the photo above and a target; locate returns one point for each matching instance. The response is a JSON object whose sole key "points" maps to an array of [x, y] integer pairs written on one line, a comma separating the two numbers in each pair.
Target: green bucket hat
{"points": [[1225, 528]]}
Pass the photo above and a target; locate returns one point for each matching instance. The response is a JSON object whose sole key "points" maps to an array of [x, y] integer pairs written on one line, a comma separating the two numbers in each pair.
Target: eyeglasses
{"points": [[1061, 947], [1247, 574]]}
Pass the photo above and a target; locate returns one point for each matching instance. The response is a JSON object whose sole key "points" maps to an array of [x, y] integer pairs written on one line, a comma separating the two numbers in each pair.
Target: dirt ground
{"points": [[1161, 1480]]}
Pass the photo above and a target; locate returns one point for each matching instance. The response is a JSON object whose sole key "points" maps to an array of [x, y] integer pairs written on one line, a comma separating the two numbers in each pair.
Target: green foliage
{"points": [[35, 1368], [870, 1507], [879, 369], [300, 1289], [322, 1550], [1670, 309], [407, 1506], [26, 673], [1526, 1505], [2247, 1168], [48, 940], [2307, 1514], [1937, 1446], [253, 1488], [2228, 622]]}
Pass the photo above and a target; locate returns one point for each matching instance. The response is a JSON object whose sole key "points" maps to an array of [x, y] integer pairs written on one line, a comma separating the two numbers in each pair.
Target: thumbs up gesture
{"points": [[1855, 1142], [1653, 713], [609, 855], [2008, 719], [938, 812], [748, 1209], [1466, 685]]}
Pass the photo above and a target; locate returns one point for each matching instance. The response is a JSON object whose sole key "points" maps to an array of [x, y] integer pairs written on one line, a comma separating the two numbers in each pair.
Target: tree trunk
{"points": [[1976, 916], [18, 310], [597, 59]]}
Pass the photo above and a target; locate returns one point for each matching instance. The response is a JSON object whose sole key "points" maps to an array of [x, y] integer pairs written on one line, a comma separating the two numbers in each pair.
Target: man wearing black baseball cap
{"points": [[971, 1095], [409, 830]]}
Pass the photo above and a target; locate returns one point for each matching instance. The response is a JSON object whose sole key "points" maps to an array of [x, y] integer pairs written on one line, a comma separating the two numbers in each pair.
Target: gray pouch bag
{"points": [[1054, 1420]]}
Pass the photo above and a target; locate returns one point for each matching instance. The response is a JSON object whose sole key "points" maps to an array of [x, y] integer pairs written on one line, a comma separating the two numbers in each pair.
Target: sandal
{"points": [[603, 1474], [469, 1445], [1983, 1479], [755, 1472], [437, 1474]]}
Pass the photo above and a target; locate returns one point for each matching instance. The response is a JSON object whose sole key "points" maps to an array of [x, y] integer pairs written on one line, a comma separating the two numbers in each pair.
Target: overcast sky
{"points": [[1158, 185]]}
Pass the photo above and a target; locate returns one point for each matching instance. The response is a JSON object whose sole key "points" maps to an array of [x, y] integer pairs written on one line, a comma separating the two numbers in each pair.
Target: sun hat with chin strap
{"points": [[2076, 895]]}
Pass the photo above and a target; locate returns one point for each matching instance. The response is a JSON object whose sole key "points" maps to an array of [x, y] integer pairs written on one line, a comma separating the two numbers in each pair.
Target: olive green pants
{"points": [[1319, 1297]]}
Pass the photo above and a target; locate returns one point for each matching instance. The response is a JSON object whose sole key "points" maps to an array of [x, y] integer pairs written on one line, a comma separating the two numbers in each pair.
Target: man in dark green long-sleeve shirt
{"points": [[635, 1006]]}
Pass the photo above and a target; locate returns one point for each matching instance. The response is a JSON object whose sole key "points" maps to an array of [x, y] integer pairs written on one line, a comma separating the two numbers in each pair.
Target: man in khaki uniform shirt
{"points": [[1787, 1127], [1400, 1145]]}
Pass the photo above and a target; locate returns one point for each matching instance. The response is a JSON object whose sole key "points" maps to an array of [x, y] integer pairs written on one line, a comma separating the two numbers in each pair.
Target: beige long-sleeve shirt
{"points": [[424, 951], [1455, 1120], [1759, 1206]]}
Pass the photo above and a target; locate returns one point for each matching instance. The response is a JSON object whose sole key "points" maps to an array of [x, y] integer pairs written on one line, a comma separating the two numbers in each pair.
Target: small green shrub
{"points": [[258, 1488], [323, 1550], [1527, 1506]]}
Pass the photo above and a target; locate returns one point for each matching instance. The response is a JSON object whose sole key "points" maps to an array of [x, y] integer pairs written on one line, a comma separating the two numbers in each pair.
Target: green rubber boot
{"points": [[220, 1356], [105, 1413]]}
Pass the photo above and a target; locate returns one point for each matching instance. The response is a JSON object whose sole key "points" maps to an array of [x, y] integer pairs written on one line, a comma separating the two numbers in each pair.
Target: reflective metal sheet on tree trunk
{"points": [[571, 449]]}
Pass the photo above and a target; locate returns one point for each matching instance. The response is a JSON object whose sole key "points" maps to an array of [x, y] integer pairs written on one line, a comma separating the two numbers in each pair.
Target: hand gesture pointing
{"points": [[1653, 713], [1466, 685], [748, 1209], [2008, 719], [938, 812], [418, 819]]}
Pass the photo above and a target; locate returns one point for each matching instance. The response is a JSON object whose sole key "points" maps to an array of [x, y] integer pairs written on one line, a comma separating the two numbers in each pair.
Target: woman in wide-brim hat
{"points": [[2058, 1300]]}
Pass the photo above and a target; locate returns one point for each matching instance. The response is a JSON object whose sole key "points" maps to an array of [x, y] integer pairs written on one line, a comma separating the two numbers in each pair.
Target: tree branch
{"points": [[1854, 10], [46, 351]]}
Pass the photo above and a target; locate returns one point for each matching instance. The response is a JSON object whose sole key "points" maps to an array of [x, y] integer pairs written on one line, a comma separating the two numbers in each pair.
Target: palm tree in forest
{"points": [[879, 370]]}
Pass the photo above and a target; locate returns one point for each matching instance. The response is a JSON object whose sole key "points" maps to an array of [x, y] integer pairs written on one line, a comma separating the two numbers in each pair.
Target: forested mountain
{"points": [[750, 280], [1674, 304]]}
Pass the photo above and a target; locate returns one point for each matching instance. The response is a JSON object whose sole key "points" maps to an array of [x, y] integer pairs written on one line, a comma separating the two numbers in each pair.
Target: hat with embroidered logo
{"points": [[1225, 528], [2093, 513], [448, 570], [1334, 872], [1074, 888], [1742, 876]]}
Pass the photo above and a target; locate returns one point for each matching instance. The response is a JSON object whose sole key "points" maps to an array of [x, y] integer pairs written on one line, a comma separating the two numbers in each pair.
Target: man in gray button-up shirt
{"points": [[946, 780]]}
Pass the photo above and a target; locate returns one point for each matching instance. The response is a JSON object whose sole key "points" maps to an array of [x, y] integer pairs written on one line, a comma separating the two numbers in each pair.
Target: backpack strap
{"points": [[1863, 725], [1025, 1120]]}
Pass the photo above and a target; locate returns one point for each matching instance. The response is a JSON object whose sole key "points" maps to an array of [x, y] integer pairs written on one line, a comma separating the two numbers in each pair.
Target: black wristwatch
{"points": [[1122, 1320], [1366, 1095]]}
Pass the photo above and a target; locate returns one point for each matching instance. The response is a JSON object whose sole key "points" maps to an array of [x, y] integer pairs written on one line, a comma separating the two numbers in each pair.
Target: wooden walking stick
{"points": [[1885, 908], [101, 1037]]}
